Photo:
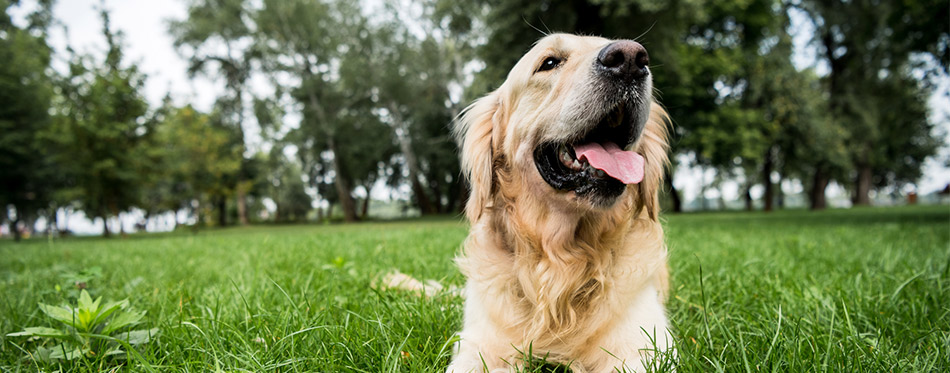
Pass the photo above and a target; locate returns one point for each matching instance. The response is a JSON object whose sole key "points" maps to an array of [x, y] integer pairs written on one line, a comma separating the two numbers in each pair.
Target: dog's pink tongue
{"points": [[625, 166]]}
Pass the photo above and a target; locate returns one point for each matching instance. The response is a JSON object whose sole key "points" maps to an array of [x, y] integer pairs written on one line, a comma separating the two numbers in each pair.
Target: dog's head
{"points": [[574, 127]]}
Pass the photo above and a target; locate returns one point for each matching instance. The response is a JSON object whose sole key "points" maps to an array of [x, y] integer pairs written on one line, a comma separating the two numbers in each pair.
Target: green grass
{"points": [[841, 290]]}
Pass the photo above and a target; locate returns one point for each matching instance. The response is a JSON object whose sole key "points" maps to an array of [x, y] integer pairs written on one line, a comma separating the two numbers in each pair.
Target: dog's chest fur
{"points": [[555, 282]]}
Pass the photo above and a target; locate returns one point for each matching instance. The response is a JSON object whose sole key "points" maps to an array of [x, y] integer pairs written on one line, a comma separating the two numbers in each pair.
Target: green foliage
{"points": [[414, 80], [283, 181], [870, 48], [99, 134], [90, 328], [213, 39], [197, 158], [25, 165]]}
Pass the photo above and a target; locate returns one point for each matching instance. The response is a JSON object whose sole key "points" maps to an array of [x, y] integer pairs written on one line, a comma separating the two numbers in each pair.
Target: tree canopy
{"points": [[360, 95]]}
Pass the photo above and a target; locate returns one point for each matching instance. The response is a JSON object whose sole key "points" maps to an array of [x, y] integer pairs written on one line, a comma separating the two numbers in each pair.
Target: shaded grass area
{"points": [[840, 290]]}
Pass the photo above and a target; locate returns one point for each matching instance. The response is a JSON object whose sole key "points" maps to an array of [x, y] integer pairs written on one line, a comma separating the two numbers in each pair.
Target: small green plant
{"points": [[89, 329]]}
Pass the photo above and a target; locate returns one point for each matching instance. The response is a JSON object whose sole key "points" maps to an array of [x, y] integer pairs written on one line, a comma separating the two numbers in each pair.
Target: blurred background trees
{"points": [[328, 108], [25, 94]]}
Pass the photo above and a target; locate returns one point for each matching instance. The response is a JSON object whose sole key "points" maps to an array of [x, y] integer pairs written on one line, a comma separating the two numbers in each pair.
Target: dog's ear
{"points": [[654, 146], [474, 132]]}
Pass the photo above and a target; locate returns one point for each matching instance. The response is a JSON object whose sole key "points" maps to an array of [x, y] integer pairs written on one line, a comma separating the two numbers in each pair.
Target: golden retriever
{"points": [[566, 257]]}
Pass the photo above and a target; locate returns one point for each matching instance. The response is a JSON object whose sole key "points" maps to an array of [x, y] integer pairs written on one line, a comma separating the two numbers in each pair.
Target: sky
{"points": [[148, 44], [146, 41]]}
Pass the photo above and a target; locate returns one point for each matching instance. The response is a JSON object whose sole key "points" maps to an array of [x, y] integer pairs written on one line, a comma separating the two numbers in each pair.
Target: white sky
{"points": [[147, 43]]}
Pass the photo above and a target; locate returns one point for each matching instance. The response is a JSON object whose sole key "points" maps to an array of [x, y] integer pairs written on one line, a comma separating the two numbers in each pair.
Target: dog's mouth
{"points": [[594, 164]]}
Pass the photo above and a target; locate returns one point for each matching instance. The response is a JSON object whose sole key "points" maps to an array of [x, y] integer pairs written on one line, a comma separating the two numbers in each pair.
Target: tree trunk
{"points": [[436, 200], [674, 194], [454, 195], [342, 186], [364, 210], [769, 193], [817, 195], [340, 183], [222, 211], [242, 202], [779, 193], [702, 188], [105, 227], [862, 186], [412, 162], [13, 229], [425, 205]]}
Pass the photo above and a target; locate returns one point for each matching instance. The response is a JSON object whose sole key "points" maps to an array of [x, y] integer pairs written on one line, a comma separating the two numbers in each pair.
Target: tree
{"points": [[325, 47], [905, 130], [216, 37], [414, 93], [285, 185], [195, 160], [99, 131], [869, 47], [25, 166], [787, 116]]}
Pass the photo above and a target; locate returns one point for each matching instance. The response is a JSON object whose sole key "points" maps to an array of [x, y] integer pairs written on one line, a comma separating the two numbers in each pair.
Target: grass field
{"points": [[839, 291]]}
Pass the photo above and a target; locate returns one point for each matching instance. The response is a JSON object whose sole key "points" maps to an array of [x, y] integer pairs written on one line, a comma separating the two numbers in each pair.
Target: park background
{"points": [[150, 115]]}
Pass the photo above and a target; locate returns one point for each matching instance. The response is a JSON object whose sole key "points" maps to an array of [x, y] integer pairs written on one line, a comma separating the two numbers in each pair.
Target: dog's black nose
{"points": [[624, 59]]}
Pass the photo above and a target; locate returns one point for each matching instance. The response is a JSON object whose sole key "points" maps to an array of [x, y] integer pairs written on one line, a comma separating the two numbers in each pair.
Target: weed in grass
{"points": [[88, 330]]}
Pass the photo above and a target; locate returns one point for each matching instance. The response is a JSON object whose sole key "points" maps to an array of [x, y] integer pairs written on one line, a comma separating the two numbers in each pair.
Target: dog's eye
{"points": [[549, 64]]}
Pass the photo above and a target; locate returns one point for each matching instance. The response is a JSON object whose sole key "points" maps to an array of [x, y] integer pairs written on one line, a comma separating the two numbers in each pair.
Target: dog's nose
{"points": [[624, 59]]}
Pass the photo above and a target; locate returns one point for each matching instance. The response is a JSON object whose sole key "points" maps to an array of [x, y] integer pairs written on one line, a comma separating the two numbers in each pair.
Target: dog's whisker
{"points": [[545, 26], [533, 27], [645, 32]]}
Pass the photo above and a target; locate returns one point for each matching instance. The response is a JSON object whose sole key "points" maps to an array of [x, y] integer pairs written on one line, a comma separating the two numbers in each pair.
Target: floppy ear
{"points": [[654, 146], [473, 131]]}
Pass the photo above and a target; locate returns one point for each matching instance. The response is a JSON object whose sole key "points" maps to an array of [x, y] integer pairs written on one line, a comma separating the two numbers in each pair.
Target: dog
{"points": [[565, 259]]}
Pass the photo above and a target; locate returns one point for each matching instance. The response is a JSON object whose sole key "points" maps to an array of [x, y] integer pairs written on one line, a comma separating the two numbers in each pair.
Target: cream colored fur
{"points": [[547, 271]]}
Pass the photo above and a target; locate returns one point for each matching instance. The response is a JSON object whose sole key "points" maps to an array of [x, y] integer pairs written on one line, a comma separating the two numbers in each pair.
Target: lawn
{"points": [[840, 291]]}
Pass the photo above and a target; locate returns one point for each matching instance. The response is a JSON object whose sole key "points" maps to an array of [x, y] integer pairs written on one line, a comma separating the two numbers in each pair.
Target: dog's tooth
{"points": [[576, 165], [600, 173]]}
